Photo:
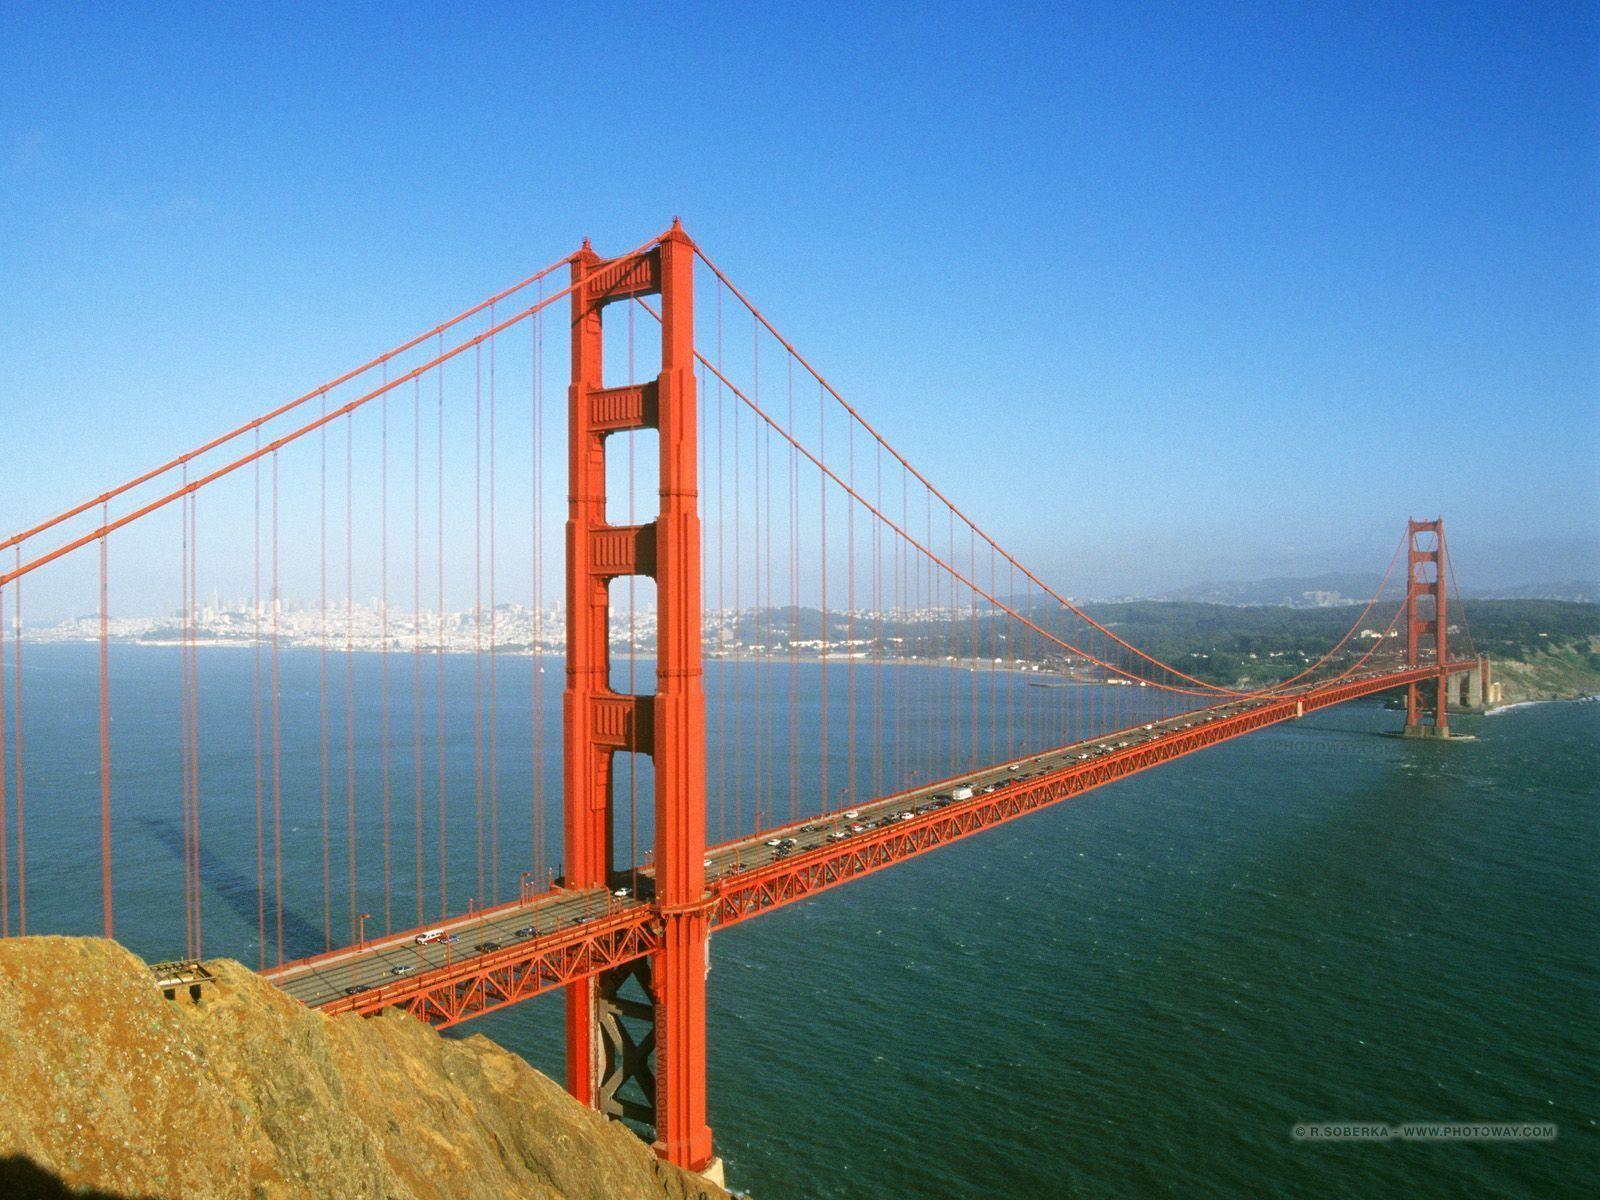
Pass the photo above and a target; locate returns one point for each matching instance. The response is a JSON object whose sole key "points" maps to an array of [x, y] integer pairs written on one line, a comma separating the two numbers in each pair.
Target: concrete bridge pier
{"points": [[1479, 691], [1469, 691]]}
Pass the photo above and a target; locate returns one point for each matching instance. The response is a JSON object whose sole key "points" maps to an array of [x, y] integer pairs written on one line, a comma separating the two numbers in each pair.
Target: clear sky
{"points": [[1160, 293]]}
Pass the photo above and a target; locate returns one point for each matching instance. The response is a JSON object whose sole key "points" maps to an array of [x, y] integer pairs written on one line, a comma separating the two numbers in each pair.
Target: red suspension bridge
{"points": [[791, 660]]}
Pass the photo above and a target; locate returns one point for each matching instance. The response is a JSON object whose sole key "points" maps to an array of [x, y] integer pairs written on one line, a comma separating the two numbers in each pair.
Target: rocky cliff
{"points": [[108, 1089]]}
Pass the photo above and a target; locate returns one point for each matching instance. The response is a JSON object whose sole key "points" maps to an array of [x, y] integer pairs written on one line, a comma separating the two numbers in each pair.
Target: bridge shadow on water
{"points": [[23, 1179], [238, 891]]}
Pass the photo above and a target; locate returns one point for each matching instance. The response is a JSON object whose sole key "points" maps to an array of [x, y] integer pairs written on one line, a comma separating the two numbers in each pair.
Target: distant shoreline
{"points": [[1049, 679], [841, 660]]}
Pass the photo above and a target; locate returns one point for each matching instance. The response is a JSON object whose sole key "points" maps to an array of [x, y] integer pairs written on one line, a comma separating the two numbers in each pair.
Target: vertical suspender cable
{"points": [[105, 742], [738, 614], [383, 650], [277, 731], [350, 670], [5, 827], [994, 664], [822, 494], [1012, 661], [755, 464], [722, 604], [494, 776], [183, 717], [972, 573], [416, 630], [477, 604], [793, 498], [16, 758], [537, 355], [444, 903], [954, 655], [194, 724], [322, 685], [877, 641], [255, 711], [850, 600], [904, 608], [770, 619]]}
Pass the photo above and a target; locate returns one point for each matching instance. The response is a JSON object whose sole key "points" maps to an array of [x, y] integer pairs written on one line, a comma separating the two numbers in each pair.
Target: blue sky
{"points": [[1161, 293]]}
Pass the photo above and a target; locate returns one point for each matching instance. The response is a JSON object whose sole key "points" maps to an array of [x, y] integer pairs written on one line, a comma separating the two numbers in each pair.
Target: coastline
{"points": [[1554, 680]]}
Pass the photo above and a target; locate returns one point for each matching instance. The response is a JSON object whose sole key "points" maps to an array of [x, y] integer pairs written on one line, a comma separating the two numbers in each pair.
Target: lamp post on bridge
{"points": [[361, 935]]}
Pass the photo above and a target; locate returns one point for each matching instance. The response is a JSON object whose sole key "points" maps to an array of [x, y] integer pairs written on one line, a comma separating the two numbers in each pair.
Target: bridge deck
{"points": [[553, 938], [326, 977]]}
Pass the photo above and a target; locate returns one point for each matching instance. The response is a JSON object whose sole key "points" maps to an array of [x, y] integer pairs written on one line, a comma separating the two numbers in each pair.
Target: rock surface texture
{"points": [[108, 1089]]}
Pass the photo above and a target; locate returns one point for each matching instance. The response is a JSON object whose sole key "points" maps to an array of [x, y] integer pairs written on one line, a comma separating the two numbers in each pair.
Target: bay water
{"points": [[1141, 992]]}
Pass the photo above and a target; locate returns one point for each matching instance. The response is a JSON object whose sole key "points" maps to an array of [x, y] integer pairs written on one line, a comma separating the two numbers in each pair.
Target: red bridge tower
{"points": [[666, 1064], [1426, 627]]}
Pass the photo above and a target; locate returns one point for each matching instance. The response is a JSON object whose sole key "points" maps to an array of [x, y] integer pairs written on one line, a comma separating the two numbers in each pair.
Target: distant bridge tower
{"points": [[602, 1055], [1426, 622]]}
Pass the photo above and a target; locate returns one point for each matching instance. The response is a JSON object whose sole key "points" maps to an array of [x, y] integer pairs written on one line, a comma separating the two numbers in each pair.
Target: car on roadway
{"points": [[487, 947], [355, 989], [526, 931], [402, 969]]}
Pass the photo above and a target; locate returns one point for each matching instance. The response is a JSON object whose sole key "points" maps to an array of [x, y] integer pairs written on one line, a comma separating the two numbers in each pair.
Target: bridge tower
{"points": [[1426, 622], [668, 725]]}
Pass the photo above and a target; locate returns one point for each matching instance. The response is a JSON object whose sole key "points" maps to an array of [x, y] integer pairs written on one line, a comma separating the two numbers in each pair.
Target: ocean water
{"points": [[1138, 993]]}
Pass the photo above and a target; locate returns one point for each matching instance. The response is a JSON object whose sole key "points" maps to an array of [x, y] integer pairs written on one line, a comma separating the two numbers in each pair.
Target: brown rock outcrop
{"points": [[107, 1087]]}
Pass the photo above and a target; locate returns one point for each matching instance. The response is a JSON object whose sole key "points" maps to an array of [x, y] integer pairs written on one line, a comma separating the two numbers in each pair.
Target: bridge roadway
{"points": [[387, 960], [501, 955]]}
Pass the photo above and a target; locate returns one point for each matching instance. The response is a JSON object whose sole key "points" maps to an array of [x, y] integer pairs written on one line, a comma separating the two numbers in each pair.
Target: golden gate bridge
{"points": [[790, 539]]}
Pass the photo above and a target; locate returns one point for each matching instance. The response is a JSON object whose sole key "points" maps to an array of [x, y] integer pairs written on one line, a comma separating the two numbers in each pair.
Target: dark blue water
{"points": [[1139, 993], [451, 750]]}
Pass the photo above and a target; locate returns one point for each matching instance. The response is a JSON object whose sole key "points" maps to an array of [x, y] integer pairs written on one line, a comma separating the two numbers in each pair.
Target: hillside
{"points": [[1541, 648], [1559, 673], [112, 1089]]}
